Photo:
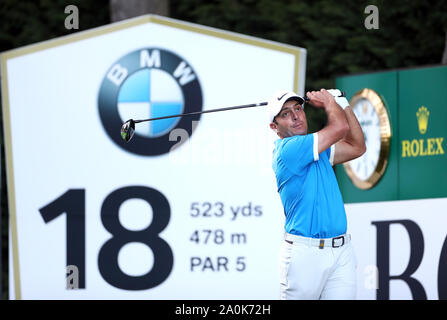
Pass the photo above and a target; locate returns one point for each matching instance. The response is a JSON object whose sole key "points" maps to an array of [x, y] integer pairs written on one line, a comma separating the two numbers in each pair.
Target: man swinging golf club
{"points": [[317, 260]]}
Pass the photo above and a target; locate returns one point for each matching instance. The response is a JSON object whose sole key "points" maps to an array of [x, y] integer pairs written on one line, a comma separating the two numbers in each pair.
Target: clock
{"points": [[370, 110]]}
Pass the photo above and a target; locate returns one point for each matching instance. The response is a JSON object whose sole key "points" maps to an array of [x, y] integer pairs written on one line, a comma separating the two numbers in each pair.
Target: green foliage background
{"points": [[411, 33]]}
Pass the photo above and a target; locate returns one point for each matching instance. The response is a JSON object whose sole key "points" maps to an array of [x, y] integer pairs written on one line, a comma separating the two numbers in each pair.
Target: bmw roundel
{"points": [[149, 83]]}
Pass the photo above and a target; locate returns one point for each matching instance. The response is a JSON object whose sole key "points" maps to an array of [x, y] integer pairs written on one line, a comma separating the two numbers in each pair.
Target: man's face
{"points": [[290, 121]]}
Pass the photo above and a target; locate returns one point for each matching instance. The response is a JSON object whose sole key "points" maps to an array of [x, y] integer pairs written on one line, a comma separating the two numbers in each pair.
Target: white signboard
{"points": [[401, 249], [188, 209]]}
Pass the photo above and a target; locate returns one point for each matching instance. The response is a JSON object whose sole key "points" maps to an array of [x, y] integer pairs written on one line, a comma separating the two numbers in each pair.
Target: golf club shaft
{"points": [[206, 111], [306, 99]]}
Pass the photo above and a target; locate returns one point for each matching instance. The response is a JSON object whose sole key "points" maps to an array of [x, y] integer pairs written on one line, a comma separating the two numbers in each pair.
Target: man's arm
{"points": [[337, 126], [352, 145]]}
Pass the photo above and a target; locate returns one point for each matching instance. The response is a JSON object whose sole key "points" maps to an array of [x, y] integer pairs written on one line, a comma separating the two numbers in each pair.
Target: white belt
{"points": [[321, 243]]}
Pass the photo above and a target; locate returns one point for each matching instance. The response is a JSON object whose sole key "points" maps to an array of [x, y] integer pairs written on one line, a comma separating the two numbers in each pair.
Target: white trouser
{"points": [[309, 272]]}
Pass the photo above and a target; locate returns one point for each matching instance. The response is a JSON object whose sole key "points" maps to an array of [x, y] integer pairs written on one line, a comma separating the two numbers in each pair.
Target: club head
{"points": [[128, 130]]}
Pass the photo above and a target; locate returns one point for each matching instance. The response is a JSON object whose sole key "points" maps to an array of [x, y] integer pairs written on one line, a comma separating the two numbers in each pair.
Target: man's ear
{"points": [[274, 127]]}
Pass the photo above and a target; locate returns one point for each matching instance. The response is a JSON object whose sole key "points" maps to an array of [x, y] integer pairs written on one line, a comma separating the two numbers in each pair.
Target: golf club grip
{"points": [[206, 111]]}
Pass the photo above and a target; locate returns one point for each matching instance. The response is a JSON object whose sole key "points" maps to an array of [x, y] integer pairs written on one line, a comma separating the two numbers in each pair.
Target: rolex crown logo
{"points": [[422, 116]]}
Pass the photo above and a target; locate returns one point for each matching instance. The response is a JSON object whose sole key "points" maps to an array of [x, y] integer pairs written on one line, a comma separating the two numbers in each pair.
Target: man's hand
{"points": [[337, 125], [342, 128], [320, 99]]}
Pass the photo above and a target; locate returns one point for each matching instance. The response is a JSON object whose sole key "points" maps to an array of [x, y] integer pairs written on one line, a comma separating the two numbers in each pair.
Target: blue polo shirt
{"points": [[308, 188]]}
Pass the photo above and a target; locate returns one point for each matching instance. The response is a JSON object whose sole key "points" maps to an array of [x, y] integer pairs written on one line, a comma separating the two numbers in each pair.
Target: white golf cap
{"points": [[277, 101]]}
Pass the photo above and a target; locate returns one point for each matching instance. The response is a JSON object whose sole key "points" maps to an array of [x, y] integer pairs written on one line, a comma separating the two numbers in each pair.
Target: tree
{"points": [[125, 9], [444, 55], [27, 22], [410, 33]]}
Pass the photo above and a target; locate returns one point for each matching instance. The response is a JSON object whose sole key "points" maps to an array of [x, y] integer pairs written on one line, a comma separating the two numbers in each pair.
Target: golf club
{"points": [[128, 128]]}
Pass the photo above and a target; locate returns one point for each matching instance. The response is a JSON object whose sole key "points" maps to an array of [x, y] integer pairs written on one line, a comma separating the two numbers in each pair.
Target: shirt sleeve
{"points": [[299, 151], [332, 154], [329, 153]]}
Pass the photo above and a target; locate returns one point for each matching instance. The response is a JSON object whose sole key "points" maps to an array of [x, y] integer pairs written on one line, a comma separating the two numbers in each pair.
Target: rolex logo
{"points": [[423, 147], [422, 116]]}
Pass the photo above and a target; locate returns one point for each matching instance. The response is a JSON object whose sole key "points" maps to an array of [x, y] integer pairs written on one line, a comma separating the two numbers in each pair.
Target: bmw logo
{"points": [[149, 83]]}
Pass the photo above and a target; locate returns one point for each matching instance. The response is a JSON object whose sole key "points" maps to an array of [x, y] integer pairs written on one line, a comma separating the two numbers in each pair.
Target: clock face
{"points": [[363, 167], [372, 115]]}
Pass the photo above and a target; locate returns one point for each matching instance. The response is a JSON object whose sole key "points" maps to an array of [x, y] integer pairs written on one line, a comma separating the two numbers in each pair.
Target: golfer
{"points": [[317, 260]]}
